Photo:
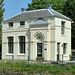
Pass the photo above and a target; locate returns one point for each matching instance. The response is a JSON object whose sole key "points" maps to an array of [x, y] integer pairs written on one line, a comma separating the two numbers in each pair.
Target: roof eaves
{"points": [[11, 17], [62, 15], [63, 18]]}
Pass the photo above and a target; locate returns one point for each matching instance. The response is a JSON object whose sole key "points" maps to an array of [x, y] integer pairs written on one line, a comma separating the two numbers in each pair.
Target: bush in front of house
{"points": [[25, 67]]}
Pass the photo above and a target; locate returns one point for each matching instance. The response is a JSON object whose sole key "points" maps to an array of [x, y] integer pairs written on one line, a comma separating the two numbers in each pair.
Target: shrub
{"points": [[36, 67]]}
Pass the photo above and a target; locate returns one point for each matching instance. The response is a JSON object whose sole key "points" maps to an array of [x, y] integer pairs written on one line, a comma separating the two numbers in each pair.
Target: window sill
{"points": [[10, 54], [65, 55], [63, 35], [21, 54], [10, 27], [21, 26]]}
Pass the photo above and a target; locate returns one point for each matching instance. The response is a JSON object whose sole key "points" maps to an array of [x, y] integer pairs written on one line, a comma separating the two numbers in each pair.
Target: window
{"points": [[58, 51], [62, 27], [40, 19], [58, 48], [22, 44], [22, 23], [64, 48], [39, 38], [10, 44], [10, 24]]}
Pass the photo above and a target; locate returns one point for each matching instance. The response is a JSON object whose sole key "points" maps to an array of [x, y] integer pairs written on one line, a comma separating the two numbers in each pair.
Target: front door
{"points": [[58, 51], [39, 49]]}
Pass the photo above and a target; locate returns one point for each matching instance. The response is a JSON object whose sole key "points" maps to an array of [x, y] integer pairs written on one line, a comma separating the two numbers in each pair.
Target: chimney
{"points": [[23, 9], [49, 6]]}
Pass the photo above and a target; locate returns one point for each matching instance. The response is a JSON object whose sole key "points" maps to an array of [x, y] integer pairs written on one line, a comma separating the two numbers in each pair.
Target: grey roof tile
{"points": [[36, 14]]}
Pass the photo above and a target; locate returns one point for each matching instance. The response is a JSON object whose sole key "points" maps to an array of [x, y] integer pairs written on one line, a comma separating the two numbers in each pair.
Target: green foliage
{"points": [[69, 10], [58, 5], [0, 43], [39, 4], [1, 16], [23, 66], [1, 10]]}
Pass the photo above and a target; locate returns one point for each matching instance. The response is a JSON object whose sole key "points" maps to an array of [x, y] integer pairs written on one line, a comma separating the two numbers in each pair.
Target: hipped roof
{"points": [[41, 13]]}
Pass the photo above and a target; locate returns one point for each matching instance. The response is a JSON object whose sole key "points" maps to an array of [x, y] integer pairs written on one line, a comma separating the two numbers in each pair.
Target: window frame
{"points": [[64, 48], [10, 24], [22, 23], [62, 27], [10, 45], [58, 47], [21, 43]]}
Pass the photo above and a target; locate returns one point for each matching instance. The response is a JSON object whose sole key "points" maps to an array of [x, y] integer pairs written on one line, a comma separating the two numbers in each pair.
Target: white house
{"points": [[37, 33]]}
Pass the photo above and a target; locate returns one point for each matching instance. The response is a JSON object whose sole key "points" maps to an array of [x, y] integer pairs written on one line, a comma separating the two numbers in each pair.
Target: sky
{"points": [[13, 7]]}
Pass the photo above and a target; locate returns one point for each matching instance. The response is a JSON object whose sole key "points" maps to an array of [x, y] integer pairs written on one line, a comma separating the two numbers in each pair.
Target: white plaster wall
{"points": [[33, 32], [52, 35], [66, 38], [16, 45], [56, 37], [17, 31]]}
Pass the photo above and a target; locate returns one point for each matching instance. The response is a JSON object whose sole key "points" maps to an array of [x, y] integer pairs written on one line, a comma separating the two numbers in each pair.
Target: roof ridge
{"points": [[34, 10], [51, 11], [61, 14]]}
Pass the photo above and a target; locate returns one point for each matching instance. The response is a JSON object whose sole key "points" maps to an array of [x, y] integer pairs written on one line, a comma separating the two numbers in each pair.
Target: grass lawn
{"points": [[22, 66]]}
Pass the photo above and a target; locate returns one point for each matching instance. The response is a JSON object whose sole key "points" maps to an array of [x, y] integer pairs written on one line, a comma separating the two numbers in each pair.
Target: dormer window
{"points": [[22, 23], [10, 24], [40, 19]]}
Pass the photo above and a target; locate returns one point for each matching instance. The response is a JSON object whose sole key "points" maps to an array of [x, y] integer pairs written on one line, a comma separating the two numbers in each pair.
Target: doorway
{"points": [[39, 49], [58, 51]]}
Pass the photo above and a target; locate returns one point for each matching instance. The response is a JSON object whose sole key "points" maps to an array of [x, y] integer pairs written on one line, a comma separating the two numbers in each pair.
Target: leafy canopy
{"points": [[40, 4], [1, 16], [1, 10]]}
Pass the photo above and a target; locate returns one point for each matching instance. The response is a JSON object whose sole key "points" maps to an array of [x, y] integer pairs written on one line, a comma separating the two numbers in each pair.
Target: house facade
{"points": [[37, 33]]}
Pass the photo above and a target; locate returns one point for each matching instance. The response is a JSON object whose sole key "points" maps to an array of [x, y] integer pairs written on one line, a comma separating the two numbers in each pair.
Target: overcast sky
{"points": [[13, 7]]}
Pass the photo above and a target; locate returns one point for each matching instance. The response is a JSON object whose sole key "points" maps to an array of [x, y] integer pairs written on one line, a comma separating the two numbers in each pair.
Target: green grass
{"points": [[36, 67]]}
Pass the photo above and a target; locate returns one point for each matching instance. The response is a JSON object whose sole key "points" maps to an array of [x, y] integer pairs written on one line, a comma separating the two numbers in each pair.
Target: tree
{"points": [[1, 19], [40, 4], [1, 11], [69, 10]]}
